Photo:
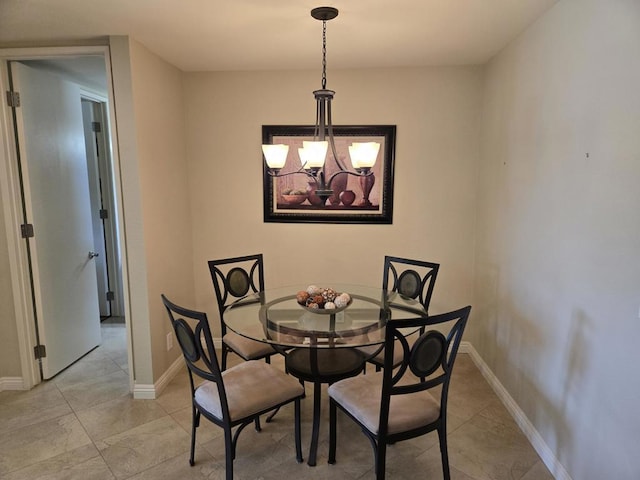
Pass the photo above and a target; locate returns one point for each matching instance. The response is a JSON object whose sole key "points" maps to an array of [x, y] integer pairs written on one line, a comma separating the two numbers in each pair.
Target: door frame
{"points": [[12, 206], [105, 174]]}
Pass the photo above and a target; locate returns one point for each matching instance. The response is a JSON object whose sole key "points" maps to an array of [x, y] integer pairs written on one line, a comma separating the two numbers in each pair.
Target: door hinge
{"points": [[40, 351], [110, 296], [13, 99], [104, 214], [96, 127], [27, 230]]}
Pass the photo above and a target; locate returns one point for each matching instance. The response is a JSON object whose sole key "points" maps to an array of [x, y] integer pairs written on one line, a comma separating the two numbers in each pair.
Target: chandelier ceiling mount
{"points": [[313, 153]]}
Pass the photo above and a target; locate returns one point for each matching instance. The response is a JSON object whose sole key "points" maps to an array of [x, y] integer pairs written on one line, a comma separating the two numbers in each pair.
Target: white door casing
{"points": [[56, 191]]}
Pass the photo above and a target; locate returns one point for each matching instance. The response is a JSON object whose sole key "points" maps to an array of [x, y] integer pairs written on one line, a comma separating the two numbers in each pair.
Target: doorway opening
{"points": [[50, 185], [103, 209]]}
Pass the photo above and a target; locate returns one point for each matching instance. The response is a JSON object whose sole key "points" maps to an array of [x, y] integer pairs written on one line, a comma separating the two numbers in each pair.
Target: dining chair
{"points": [[234, 397], [413, 279], [233, 278], [397, 404]]}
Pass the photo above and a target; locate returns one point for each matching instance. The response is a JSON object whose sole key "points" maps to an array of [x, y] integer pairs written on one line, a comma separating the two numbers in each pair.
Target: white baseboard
{"points": [[151, 392], [534, 437], [144, 391], [11, 383]]}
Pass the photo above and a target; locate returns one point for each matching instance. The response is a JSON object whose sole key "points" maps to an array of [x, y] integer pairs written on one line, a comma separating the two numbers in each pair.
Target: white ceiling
{"points": [[208, 35]]}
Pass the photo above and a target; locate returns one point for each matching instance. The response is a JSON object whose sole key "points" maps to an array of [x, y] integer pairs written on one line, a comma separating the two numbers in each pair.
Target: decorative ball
{"points": [[319, 299], [314, 290], [340, 302], [329, 306], [312, 305], [301, 297], [329, 294]]}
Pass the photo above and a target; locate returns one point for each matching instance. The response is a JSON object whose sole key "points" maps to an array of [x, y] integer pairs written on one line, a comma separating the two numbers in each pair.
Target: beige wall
{"points": [[558, 249], [164, 195], [436, 111], [157, 221]]}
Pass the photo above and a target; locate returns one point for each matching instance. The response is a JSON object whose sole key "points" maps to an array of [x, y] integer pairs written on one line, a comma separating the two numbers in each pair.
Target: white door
{"points": [[57, 203]]}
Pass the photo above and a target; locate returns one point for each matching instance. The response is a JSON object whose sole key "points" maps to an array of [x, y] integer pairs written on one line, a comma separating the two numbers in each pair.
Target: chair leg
{"points": [[267, 359], [298, 434], [228, 453], [381, 460], [332, 431], [442, 436], [257, 423], [195, 421], [270, 417]]}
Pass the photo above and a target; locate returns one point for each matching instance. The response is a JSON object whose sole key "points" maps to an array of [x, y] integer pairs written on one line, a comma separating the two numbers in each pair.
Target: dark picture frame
{"points": [[341, 207]]}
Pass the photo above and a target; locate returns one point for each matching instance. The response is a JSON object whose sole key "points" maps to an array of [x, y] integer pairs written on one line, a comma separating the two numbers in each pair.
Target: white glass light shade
{"points": [[304, 157], [314, 153], [275, 155], [364, 155]]}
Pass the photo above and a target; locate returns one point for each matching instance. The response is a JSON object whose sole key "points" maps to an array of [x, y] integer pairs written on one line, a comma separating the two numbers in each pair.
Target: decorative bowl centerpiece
{"points": [[323, 300], [294, 197]]}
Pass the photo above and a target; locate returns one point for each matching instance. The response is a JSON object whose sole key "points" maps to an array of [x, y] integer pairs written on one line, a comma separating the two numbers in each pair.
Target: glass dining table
{"points": [[274, 316]]}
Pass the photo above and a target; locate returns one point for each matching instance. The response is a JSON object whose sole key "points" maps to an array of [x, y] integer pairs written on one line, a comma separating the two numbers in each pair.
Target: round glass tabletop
{"points": [[275, 316]]}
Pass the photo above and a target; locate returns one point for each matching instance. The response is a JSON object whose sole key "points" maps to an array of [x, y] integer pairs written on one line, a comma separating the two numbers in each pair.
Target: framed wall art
{"points": [[354, 198]]}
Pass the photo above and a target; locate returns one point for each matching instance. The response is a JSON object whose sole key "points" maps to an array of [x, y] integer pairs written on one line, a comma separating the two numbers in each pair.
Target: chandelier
{"points": [[314, 152]]}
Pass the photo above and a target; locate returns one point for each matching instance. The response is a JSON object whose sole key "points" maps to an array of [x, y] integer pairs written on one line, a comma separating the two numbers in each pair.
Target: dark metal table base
{"points": [[318, 366]]}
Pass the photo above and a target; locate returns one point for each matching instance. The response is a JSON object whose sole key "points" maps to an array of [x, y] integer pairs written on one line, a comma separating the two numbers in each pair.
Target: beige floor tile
{"points": [[469, 393], [118, 415], [256, 452], [79, 464], [207, 430], [486, 449], [86, 370], [143, 447], [178, 468], [96, 390], [177, 395], [45, 440], [21, 409], [401, 466], [294, 470], [538, 472]]}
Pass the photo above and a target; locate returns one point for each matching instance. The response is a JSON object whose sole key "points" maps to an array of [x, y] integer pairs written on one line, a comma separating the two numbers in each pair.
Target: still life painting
{"points": [[351, 196]]}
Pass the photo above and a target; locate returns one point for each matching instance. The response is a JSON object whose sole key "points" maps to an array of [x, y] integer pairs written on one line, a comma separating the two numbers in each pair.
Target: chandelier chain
{"points": [[324, 54]]}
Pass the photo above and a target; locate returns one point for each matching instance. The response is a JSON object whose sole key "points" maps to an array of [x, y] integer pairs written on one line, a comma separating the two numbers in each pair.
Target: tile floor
{"points": [[84, 424]]}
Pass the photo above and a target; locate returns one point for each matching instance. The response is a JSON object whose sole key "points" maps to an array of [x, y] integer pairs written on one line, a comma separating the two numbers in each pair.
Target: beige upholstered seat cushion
{"points": [[361, 396], [378, 359], [247, 348], [251, 387]]}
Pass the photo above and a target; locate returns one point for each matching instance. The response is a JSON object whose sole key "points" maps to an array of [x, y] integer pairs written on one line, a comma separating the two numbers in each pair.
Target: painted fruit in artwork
{"points": [[347, 197]]}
